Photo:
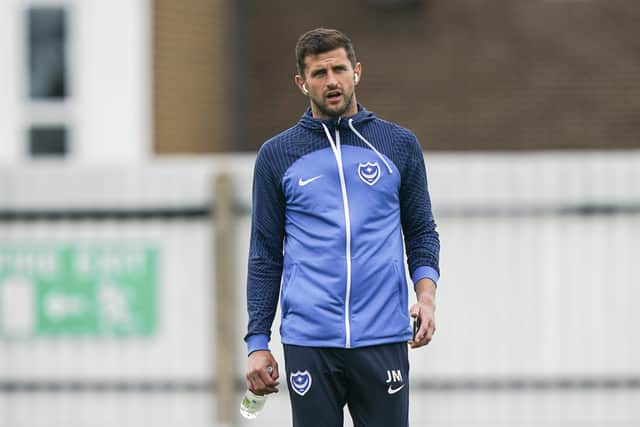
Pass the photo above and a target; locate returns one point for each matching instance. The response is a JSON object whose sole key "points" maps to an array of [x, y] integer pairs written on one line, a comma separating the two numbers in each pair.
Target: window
{"points": [[47, 56], [47, 95], [48, 141]]}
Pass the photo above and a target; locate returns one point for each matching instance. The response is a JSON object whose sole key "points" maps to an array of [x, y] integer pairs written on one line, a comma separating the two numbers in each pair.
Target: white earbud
{"points": [[356, 77], [304, 89]]}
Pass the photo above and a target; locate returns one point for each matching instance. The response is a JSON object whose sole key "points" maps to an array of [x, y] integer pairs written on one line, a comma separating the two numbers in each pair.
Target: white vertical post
{"points": [[224, 236]]}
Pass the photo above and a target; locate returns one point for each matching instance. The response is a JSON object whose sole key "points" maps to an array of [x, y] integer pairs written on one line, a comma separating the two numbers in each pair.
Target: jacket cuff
{"points": [[257, 342], [425, 273]]}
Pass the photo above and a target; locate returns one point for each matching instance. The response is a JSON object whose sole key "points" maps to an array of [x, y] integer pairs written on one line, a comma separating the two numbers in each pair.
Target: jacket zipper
{"points": [[337, 151]]}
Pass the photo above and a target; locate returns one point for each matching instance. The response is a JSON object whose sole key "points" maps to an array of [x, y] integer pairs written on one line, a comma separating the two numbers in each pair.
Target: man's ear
{"points": [[301, 85], [357, 72]]}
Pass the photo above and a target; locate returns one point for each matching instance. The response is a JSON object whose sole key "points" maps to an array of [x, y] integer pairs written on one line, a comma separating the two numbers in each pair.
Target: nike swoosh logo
{"points": [[303, 182], [392, 390]]}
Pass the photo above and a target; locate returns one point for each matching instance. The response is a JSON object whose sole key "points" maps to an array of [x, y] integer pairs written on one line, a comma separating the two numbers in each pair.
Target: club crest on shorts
{"points": [[369, 172], [300, 382]]}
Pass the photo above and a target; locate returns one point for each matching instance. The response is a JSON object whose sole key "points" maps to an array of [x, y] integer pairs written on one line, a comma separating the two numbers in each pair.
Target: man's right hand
{"points": [[259, 381]]}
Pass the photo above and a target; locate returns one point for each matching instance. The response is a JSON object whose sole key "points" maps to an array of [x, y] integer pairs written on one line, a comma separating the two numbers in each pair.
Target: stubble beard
{"points": [[334, 114]]}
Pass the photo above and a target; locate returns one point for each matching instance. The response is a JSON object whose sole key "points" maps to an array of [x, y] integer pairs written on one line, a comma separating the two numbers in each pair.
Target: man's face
{"points": [[330, 80]]}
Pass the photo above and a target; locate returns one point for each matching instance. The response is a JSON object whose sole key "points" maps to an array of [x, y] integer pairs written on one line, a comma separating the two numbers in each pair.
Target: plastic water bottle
{"points": [[252, 404]]}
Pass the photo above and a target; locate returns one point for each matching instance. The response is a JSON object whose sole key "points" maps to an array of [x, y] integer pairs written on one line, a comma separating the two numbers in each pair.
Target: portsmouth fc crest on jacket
{"points": [[369, 172], [300, 382]]}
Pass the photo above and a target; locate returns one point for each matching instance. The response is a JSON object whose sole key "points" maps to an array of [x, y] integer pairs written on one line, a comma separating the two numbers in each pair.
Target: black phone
{"points": [[416, 326]]}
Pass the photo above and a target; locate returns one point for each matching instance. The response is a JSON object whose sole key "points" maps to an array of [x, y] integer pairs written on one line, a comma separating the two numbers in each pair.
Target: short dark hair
{"points": [[319, 41]]}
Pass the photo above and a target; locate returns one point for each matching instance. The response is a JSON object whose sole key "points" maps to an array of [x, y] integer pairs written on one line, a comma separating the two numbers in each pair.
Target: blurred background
{"points": [[128, 131]]}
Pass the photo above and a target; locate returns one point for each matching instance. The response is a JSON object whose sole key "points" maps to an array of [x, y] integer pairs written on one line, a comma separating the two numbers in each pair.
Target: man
{"points": [[332, 197]]}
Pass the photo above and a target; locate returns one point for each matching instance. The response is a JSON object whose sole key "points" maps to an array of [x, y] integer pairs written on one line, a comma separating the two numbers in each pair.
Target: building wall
{"points": [[169, 77], [192, 105], [107, 110], [496, 74]]}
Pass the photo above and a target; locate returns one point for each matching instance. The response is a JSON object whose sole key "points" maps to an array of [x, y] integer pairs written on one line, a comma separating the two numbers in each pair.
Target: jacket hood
{"points": [[362, 116]]}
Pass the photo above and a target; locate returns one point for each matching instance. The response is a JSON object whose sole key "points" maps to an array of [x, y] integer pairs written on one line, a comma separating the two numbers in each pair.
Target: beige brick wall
{"points": [[190, 78]]}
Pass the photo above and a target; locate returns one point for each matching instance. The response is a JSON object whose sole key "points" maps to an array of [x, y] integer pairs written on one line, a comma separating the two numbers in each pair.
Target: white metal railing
{"points": [[535, 306]]}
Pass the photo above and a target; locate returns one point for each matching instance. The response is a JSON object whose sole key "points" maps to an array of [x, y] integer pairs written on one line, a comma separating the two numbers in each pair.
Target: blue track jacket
{"points": [[331, 201]]}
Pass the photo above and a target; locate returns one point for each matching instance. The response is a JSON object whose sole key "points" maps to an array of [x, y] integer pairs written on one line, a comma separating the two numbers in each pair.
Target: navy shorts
{"points": [[372, 381]]}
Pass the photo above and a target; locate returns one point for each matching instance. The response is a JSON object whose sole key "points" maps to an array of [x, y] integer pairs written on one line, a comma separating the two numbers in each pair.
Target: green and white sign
{"points": [[77, 290]]}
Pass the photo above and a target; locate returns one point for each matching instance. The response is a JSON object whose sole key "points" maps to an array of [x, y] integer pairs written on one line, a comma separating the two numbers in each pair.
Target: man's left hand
{"points": [[424, 310]]}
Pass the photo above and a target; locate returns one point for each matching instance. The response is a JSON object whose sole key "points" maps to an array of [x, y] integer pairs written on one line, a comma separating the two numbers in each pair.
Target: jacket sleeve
{"points": [[265, 252], [422, 242]]}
